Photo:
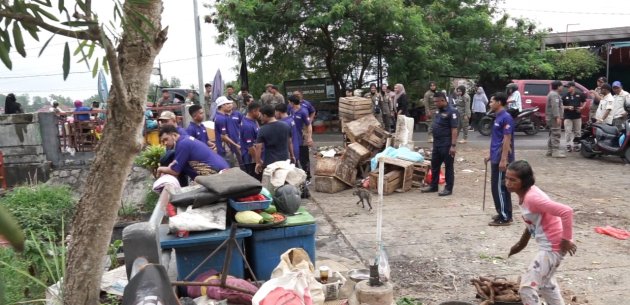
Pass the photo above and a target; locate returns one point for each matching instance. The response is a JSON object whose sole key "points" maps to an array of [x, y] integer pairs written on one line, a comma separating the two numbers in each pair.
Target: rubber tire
{"points": [[485, 126], [531, 132], [586, 154]]}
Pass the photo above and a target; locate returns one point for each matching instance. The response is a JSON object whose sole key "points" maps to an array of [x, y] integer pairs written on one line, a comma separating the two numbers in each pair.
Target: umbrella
{"points": [[217, 90]]}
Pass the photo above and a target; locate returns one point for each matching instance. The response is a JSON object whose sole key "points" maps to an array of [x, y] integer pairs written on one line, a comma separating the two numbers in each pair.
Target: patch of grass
{"points": [[408, 301], [150, 200], [128, 211], [16, 288], [41, 208]]}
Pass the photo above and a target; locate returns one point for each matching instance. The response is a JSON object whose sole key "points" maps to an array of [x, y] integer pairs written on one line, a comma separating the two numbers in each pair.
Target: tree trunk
{"points": [[98, 207]]}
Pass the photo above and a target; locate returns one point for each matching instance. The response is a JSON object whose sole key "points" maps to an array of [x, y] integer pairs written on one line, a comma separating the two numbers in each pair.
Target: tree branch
{"points": [[84, 34], [114, 68]]}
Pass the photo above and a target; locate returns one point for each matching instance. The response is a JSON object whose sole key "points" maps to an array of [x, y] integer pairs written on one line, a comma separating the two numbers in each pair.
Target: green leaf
{"points": [[45, 45], [95, 68], [66, 61], [144, 19], [105, 64], [77, 23], [31, 30], [47, 14], [61, 5], [4, 56], [82, 44], [18, 40], [10, 230], [91, 51]]}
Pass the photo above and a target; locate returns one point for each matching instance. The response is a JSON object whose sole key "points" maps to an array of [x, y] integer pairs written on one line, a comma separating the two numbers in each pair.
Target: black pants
{"points": [[500, 194], [476, 118], [441, 155], [305, 160], [167, 159], [250, 169]]}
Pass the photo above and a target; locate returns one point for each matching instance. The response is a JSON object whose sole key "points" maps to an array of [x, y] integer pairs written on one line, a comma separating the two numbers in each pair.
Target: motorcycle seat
{"points": [[608, 129], [527, 112]]}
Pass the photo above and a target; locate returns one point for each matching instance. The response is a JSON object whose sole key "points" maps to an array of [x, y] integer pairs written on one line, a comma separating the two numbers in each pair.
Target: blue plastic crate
{"points": [[250, 205], [264, 247], [192, 250]]}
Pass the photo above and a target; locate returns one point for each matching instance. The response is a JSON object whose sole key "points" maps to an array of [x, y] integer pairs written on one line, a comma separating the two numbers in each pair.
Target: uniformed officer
{"points": [[444, 142]]}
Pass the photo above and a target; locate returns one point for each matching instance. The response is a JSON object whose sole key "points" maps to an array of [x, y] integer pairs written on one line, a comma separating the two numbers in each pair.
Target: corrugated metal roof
{"points": [[589, 36]]}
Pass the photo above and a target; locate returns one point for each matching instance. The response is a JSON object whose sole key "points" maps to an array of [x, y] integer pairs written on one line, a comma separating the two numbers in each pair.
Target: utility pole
{"points": [[566, 35], [199, 65]]}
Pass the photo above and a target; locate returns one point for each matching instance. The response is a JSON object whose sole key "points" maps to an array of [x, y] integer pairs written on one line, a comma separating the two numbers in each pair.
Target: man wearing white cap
{"points": [[227, 131], [621, 97]]}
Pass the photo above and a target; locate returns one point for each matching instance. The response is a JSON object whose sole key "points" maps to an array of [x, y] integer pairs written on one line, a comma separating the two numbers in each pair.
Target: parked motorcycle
{"points": [[526, 122], [602, 139]]}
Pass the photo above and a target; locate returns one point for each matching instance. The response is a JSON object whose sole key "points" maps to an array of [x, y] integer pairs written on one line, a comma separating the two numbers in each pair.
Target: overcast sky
{"points": [[42, 75]]}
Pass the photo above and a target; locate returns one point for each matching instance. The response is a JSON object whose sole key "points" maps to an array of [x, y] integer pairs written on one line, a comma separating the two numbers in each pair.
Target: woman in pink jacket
{"points": [[551, 224]]}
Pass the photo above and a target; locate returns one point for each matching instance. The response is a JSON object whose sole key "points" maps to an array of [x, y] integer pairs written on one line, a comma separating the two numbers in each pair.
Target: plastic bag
{"points": [[205, 218], [429, 177], [291, 289], [614, 232], [383, 264]]}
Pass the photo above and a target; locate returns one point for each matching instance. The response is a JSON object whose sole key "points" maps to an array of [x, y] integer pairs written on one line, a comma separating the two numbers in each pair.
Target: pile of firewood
{"points": [[496, 289]]}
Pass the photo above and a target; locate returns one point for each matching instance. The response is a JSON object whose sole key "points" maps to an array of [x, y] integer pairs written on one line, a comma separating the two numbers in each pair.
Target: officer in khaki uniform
{"points": [[553, 113], [430, 108]]}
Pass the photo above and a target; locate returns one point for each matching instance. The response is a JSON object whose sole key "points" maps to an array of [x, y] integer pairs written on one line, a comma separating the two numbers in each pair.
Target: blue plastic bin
{"points": [[192, 250], [264, 247], [250, 205]]}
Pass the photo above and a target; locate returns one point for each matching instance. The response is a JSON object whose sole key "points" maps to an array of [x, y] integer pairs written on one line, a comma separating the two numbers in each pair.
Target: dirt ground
{"points": [[437, 244]]}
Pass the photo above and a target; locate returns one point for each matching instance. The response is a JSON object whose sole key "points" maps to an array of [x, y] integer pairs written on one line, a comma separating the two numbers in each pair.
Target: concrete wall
{"points": [[21, 144]]}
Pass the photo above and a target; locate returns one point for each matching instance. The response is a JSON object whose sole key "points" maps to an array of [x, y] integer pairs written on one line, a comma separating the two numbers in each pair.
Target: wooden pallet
{"points": [[420, 171], [347, 173], [326, 166], [355, 154], [330, 185], [393, 164]]}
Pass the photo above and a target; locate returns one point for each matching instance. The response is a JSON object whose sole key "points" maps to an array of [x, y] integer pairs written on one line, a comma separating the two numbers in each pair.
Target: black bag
{"points": [[232, 183], [197, 196]]}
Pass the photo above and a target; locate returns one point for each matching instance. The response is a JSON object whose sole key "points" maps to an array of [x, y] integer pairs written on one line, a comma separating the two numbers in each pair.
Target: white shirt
{"points": [[605, 103], [620, 100], [514, 102]]}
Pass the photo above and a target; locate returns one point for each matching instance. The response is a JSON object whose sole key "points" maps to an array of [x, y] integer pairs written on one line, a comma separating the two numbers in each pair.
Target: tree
{"points": [[575, 63], [340, 39], [129, 58]]}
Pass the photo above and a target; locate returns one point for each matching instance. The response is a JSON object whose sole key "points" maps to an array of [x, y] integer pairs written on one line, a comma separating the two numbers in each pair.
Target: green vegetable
{"points": [[266, 217], [271, 209], [248, 217]]}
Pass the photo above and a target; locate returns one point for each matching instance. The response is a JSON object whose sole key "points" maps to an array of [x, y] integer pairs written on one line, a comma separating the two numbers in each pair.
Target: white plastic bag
{"points": [[291, 288], [211, 217]]}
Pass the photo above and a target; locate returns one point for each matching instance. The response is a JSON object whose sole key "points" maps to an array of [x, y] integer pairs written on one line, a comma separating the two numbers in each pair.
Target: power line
{"points": [[40, 75], [567, 12]]}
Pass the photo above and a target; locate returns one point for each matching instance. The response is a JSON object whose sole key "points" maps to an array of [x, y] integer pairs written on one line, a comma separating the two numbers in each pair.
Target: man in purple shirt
{"points": [[305, 104], [227, 124], [196, 129], [501, 154], [296, 135], [305, 130], [192, 157], [169, 118], [249, 134]]}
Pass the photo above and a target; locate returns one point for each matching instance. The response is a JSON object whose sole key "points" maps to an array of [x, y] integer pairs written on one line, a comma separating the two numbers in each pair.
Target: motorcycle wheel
{"points": [[485, 126], [532, 131], [586, 154]]}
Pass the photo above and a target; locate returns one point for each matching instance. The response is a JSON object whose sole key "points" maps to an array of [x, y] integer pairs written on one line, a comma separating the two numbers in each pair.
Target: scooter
{"points": [[526, 122], [602, 139]]}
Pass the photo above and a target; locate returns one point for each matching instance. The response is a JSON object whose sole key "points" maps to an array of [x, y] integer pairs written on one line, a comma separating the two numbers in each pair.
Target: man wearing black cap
{"points": [[572, 103], [553, 112], [445, 122]]}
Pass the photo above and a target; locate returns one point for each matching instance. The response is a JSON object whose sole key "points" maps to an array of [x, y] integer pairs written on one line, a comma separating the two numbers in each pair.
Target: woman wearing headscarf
{"points": [[400, 99], [11, 106], [480, 101]]}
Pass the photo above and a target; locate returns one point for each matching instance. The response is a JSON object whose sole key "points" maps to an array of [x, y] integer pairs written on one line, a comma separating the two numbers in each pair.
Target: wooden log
{"points": [[330, 185]]}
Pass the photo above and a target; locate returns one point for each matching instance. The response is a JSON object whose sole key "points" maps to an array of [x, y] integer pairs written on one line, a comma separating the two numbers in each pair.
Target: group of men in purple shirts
{"points": [[251, 141]]}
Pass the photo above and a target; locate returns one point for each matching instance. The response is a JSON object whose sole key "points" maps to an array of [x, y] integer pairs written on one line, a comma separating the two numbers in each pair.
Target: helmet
{"points": [[511, 87], [287, 199]]}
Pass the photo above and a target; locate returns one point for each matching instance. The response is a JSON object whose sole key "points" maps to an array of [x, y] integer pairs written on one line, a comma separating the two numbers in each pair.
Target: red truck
{"points": [[534, 94]]}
